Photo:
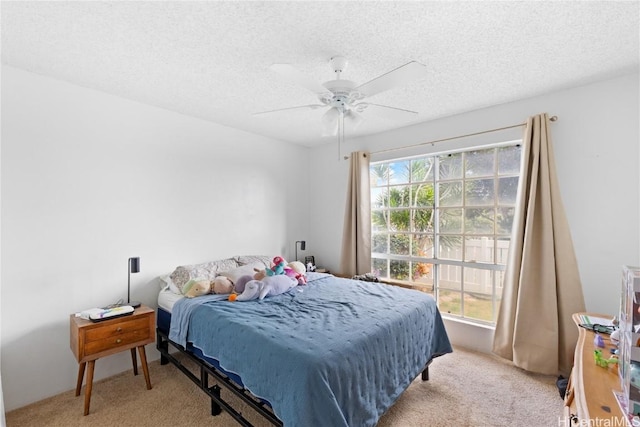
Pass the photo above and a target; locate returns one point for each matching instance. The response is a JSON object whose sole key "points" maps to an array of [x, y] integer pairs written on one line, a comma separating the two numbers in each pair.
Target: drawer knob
{"points": [[119, 329], [118, 341]]}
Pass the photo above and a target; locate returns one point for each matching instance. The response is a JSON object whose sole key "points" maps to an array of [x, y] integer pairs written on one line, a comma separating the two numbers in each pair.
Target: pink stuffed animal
{"points": [[297, 270]]}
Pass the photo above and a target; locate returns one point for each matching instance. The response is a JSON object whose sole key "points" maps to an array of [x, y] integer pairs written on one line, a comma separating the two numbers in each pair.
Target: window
{"points": [[442, 224]]}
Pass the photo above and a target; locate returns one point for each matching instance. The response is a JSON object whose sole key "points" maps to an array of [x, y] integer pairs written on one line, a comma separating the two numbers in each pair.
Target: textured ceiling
{"points": [[211, 59]]}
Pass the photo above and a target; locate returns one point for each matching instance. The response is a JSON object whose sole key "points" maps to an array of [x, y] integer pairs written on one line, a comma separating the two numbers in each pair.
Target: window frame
{"points": [[464, 265]]}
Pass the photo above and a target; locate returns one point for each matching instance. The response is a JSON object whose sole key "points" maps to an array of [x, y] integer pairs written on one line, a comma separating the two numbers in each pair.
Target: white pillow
{"points": [[167, 283], [244, 270], [208, 270], [264, 260]]}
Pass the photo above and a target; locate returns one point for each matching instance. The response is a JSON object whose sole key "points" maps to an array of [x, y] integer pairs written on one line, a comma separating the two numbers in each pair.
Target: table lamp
{"points": [[303, 245], [133, 266]]}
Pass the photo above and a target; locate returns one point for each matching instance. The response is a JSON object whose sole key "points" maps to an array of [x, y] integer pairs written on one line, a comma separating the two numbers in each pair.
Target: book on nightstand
{"points": [[100, 314]]}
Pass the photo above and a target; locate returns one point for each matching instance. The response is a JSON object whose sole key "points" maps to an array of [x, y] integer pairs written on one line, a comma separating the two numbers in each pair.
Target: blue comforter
{"points": [[336, 352]]}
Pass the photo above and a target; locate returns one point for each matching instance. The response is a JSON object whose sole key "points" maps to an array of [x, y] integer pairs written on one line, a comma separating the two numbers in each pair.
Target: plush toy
{"points": [[240, 284], [270, 285], [196, 288], [259, 274], [298, 267], [251, 291], [222, 285], [297, 270], [278, 267]]}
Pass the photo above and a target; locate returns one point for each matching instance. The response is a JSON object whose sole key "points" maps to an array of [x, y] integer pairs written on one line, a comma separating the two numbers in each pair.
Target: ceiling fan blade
{"points": [[392, 113], [401, 75], [296, 76], [330, 122], [301, 107]]}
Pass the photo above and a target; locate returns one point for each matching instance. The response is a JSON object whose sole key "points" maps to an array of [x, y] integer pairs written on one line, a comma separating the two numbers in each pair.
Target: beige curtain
{"points": [[356, 237], [542, 286]]}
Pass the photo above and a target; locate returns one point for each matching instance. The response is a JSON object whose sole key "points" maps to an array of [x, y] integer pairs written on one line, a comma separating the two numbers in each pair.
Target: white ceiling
{"points": [[211, 59]]}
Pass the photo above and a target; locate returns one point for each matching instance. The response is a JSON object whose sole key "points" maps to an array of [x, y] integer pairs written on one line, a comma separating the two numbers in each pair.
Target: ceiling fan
{"points": [[344, 98]]}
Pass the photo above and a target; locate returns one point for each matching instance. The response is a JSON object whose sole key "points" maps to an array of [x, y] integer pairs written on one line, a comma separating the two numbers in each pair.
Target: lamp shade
{"points": [[134, 265]]}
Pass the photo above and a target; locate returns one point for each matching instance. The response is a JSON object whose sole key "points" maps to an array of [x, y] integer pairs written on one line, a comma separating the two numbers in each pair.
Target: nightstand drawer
{"points": [[114, 341], [118, 329]]}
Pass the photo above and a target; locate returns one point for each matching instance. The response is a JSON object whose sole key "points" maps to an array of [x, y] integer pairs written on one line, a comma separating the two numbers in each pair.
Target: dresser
{"points": [[589, 400], [93, 340]]}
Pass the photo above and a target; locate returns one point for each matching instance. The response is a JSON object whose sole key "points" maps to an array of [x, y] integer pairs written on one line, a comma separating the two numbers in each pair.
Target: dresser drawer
{"points": [[115, 341], [110, 330]]}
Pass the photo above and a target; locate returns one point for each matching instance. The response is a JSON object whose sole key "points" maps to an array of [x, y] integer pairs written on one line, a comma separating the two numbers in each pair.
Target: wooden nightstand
{"points": [[93, 340]]}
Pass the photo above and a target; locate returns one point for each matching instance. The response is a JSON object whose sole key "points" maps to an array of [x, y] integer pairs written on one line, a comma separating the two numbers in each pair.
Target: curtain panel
{"points": [[356, 237], [541, 288]]}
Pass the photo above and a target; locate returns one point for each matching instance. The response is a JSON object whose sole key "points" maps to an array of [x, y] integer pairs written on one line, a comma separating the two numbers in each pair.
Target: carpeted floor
{"points": [[465, 389]]}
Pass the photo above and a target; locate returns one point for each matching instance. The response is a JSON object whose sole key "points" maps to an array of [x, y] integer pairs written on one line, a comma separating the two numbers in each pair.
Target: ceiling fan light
{"points": [[330, 122]]}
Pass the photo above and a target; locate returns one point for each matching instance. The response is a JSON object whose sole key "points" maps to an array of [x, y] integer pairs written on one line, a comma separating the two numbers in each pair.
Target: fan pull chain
{"points": [[340, 133]]}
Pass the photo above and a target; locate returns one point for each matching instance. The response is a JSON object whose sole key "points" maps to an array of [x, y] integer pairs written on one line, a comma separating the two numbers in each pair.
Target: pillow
{"points": [[208, 270], [252, 259], [167, 283], [244, 270]]}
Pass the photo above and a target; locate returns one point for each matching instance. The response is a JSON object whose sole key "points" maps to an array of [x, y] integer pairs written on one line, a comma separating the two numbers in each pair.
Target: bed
{"points": [[333, 352]]}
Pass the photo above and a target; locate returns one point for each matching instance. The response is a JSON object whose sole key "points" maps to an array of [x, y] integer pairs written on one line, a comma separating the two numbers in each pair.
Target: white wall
{"points": [[597, 155], [89, 180]]}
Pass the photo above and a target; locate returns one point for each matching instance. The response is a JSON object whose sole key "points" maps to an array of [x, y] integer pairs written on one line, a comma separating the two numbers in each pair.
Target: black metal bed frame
{"points": [[206, 371], [213, 391]]}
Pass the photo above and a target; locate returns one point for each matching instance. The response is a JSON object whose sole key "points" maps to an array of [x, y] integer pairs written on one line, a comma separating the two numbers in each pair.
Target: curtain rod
{"points": [[552, 118]]}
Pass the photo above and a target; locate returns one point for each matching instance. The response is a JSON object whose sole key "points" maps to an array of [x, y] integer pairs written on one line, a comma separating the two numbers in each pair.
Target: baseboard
{"points": [[468, 335]]}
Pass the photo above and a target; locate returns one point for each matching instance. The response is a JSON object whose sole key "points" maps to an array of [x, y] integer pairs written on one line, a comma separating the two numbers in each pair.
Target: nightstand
{"points": [[93, 340]]}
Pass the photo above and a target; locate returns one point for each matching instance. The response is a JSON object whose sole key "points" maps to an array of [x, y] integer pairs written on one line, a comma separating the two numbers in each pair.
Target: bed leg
{"points": [[161, 345], [425, 374], [215, 408]]}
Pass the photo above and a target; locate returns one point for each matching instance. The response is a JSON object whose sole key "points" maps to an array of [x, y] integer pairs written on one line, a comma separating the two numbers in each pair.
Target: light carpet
{"points": [[465, 388]]}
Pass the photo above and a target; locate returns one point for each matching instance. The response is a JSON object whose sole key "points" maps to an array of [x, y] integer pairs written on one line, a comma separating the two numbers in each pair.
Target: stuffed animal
{"points": [[278, 267], [270, 285], [240, 284], [297, 270], [298, 267], [259, 274], [196, 288], [222, 285]]}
